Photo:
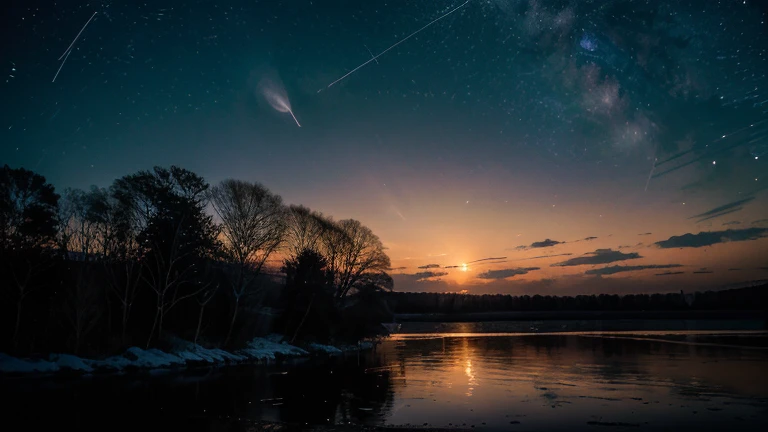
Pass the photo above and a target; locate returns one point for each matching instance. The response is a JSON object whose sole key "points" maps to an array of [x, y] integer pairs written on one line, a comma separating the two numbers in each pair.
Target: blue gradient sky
{"points": [[505, 124]]}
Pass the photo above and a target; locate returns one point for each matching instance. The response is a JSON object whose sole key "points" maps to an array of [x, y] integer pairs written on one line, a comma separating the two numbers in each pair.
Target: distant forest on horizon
{"points": [[751, 298]]}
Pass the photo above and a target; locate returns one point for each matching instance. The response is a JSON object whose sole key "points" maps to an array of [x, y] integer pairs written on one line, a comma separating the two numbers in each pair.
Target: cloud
{"points": [[600, 256], [540, 244], [491, 260], [420, 276], [759, 221], [719, 214], [732, 223], [669, 273], [702, 271], [487, 259], [590, 238], [545, 243], [545, 256], [620, 269], [429, 266], [708, 238], [505, 273], [644, 234], [722, 210], [396, 268]]}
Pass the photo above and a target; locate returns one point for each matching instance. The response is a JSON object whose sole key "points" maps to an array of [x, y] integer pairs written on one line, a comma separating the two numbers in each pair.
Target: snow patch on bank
{"points": [[339, 349], [265, 349], [69, 362], [327, 349], [183, 353], [152, 358], [10, 364], [114, 363]]}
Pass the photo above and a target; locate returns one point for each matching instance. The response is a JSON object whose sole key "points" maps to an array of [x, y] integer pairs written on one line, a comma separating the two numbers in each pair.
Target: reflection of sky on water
{"points": [[568, 381]]}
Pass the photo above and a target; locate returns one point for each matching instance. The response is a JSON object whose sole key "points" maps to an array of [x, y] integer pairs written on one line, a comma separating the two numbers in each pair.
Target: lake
{"points": [[500, 380]]}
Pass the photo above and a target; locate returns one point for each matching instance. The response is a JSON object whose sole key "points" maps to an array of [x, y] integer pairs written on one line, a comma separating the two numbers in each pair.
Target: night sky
{"points": [[513, 146]]}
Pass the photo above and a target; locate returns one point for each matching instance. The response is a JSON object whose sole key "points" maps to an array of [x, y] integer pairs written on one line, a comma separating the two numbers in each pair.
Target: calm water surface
{"points": [[579, 381]]}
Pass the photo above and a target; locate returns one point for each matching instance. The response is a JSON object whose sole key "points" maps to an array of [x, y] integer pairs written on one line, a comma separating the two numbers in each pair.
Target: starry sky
{"points": [[510, 146]]}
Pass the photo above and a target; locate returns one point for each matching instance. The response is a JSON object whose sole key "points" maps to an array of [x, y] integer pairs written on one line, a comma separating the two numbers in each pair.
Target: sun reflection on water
{"points": [[471, 382]]}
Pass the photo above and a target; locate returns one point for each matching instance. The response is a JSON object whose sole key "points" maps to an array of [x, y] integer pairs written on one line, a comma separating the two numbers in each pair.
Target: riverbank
{"points": [[183, 355]]}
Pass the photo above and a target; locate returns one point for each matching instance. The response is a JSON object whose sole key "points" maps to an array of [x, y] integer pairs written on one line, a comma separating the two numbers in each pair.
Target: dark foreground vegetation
{"points": [[751, 302], [161, 253]]}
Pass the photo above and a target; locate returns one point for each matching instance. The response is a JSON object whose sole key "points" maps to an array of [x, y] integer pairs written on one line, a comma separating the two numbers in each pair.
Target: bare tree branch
{"points": [[253, 226]]}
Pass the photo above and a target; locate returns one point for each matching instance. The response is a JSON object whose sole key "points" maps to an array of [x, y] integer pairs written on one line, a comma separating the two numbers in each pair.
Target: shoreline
{"points": [[184, 356], [583, 315], [259, 425]]}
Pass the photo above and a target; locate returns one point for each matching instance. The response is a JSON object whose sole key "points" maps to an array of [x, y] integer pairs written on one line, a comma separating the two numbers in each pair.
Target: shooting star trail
{"points": [[274, 92], [78, 35], [294, 118], [372, 56], [66, 53], [398, 43], [653, 168], [62, 65]]}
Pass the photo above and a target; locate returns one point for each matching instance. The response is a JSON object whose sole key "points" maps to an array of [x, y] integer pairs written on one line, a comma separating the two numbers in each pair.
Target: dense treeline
{"points": [[753, 298], [161, 253]]}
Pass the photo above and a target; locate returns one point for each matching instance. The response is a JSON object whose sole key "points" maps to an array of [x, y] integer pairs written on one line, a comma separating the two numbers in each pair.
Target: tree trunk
{"points": [[199, 323], [160, 325], [154, 325], [17, 326], [304, 318], [108, 306], [232, 323], [76, 349], [125, 323]]}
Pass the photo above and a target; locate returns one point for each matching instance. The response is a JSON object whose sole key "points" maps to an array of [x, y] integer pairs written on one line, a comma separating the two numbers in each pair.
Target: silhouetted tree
{"points": [[123, 275], [204, 296], [175, 234], [113, 220], [28, 208], [117, 227], [78, 230], [252, 224], [308, 288], [359, 258], [364, 313], [334, 241], [304, 230], [352, 259], [81, 305]]}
